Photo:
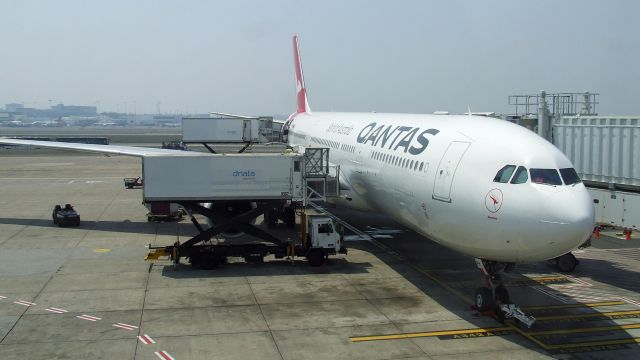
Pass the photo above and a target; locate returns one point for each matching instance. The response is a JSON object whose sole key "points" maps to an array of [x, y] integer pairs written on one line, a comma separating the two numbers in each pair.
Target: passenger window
{"points": [[421, 166], [504, 174], [570, 176], [520, 176], [545, 176]]}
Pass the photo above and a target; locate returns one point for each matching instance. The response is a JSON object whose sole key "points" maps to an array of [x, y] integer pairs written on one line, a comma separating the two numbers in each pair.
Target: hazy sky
{"points": [[387, 56]]}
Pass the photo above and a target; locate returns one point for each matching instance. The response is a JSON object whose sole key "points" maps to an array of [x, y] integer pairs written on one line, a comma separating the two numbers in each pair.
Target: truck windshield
{"points": [[545, 176], [569, 176], [325, 229]]}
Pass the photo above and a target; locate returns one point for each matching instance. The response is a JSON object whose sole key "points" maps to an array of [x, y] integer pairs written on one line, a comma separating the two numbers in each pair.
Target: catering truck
{"points": [[232, 190]]}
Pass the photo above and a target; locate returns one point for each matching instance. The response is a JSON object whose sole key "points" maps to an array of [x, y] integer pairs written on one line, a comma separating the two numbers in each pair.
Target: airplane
{"points": [[481, 186]]}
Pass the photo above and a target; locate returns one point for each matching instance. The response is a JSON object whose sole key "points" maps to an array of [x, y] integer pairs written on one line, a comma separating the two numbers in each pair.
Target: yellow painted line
{"points": [[543, 278], [586, 330], [101, 250], [568, 306], [581, 316], [460, 295], [465, 298], [428, 334], [531, 338], [634, 340]]}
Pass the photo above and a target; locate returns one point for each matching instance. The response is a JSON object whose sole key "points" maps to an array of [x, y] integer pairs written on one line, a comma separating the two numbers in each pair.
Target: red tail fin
{"points": [[301, 89]]}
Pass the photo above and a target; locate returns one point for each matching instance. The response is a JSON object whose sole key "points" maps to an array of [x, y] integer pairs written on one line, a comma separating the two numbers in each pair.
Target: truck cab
{"points": [[321, 238]]}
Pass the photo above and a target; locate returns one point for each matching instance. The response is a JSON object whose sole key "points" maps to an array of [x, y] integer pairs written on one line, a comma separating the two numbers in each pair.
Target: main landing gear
{"points": [[494, 297]]}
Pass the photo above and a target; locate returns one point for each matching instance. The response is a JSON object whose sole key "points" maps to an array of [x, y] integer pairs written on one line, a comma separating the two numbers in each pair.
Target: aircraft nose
{"points": [[570, 215]]}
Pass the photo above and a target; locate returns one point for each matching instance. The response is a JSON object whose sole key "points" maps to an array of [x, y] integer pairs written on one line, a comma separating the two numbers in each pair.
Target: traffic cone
{"points": [[627, 234], [596, 232]]}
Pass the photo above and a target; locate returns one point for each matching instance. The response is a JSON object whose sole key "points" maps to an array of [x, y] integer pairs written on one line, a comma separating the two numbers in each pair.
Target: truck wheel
{"points": [[290, 217], [316, 258], [204, 261], [270, 217]]}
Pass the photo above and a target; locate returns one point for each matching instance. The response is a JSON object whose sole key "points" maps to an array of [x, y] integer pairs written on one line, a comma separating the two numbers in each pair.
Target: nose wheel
{"points": [[495, 297]]}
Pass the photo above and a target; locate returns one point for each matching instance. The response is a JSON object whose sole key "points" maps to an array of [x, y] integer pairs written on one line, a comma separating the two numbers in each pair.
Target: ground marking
{"points": [[125, 326], [24, 303], [88, 317], [2, 297], [56, 310], [101, 250], [163, 355], [146, 339]]}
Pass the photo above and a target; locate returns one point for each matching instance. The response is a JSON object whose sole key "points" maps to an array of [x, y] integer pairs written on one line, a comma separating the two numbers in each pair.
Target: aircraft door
{"points": [[246, 131], [447, 169]]}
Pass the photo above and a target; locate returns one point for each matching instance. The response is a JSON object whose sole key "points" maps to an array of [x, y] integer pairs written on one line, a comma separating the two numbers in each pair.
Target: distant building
{"points": [[55, 111], [13, 107], [72, 110]]}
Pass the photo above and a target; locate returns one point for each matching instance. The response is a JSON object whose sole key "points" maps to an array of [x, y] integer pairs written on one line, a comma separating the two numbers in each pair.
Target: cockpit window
{"points": [[520, 176], [545, 176], [570, 176], [504, 174]]}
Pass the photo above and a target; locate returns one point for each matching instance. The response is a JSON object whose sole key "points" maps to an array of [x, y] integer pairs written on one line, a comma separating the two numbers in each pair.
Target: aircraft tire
{"points": [[484, 299], [566, 262]]}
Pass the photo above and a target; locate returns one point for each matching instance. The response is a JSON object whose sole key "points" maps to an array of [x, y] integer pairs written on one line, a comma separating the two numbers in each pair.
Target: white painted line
{"points": [[125, 326], [146, 339], [163, 355], [56, 310], [24, 303], [630, 301], [88, 317], [2, 297]]}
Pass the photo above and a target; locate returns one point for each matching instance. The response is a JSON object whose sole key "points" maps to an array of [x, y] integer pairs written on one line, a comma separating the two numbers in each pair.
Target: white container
{"points": [[603, 149], [616, 208], [228, 130], [210, 177]]}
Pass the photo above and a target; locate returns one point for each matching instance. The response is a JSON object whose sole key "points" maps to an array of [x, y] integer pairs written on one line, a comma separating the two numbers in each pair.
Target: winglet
{"points": [[301, 89]]}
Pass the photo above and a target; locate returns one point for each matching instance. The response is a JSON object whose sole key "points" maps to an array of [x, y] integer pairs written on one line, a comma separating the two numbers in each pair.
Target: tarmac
{"points": [[79, 293]]}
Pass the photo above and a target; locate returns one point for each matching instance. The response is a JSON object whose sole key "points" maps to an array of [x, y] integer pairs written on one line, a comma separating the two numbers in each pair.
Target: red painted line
{"points": [[57, 309], [125, 326], [146, 339], [88, 317], [164, 355], [25, 303]]}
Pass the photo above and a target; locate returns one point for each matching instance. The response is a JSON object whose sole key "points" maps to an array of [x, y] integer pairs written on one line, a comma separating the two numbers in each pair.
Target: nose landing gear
{"points": [[495, 297]]}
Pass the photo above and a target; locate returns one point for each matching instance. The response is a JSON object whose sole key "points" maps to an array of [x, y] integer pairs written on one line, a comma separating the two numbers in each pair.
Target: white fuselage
{"points": [[435, 175]]}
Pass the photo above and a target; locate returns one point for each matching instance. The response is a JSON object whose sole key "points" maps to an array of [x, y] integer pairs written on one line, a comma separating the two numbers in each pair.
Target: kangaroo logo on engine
{"points": [[408, 139]]}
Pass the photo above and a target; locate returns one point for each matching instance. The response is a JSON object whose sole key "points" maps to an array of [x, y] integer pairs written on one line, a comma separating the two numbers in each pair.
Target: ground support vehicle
{"points": [[232, 190], [319, 240], [131, 182], [65, 216], [164, 211]]}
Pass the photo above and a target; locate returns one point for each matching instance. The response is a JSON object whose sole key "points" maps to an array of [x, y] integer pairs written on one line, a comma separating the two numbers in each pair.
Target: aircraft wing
{"points": [[104, 149]]}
